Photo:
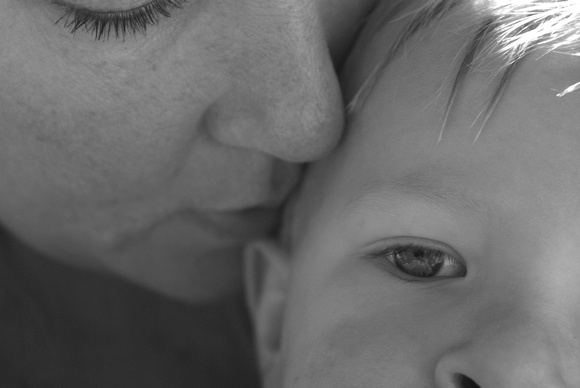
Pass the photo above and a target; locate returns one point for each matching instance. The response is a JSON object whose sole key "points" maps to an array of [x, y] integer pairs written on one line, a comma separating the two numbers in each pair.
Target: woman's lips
{"points": [[233, 219], [243, 224], [252, 194]]}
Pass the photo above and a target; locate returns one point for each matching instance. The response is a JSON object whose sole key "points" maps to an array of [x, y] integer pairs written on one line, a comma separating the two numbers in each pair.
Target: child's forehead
{"points": [[527, 155], [434, 51], [397, 129], [398, 126], [386, 36], [486, 33]]}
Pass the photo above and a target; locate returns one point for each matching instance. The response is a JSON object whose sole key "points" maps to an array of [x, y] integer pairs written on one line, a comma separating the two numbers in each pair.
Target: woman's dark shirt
{"points": [[64, 327]]}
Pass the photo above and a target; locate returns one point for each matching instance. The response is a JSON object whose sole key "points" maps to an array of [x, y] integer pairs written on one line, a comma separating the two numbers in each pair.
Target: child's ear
{"points": [[266, 279]]}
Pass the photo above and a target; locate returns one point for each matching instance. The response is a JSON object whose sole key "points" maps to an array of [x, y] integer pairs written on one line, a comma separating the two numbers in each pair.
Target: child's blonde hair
{"points": [[504, 30]]}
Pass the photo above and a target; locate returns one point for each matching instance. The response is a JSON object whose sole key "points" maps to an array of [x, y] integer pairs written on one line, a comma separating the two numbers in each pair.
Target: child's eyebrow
{"points": [[423, 189]]}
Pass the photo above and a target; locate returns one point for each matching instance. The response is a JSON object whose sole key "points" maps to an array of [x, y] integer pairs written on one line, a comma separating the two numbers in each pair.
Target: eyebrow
{"points": [[419, 187]]}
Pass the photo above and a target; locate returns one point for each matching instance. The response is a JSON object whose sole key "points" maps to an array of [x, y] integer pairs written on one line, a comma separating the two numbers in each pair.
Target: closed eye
{"points": [[104, 24]]}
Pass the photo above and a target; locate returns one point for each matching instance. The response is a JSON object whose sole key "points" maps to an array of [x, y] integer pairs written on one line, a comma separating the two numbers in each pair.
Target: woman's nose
{"points": [[514, 351], [283, 98]]}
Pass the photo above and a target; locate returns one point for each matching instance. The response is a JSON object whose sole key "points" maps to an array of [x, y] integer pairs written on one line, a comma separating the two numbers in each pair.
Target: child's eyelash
{"points": [[101, 24]]}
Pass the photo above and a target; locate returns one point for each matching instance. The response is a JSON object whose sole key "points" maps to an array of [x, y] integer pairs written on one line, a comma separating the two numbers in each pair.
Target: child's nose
{"points": [[514, 350]]}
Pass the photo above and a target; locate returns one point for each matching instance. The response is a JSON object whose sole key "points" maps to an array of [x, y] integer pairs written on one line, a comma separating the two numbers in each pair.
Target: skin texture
{"points": [[142, 159], [505, 207], [156, 157]]}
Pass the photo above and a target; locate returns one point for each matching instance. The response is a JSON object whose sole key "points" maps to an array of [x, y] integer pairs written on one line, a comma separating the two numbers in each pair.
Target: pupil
{"points": [[419, 254], [419, 263]]}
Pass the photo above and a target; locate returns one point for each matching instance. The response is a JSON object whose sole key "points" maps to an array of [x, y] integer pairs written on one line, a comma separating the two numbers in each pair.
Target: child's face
{"points": [[503, 306]]}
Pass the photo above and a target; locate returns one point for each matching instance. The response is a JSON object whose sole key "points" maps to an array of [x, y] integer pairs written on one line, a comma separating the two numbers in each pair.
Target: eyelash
{"points": [[385, 258], [119, 23]]}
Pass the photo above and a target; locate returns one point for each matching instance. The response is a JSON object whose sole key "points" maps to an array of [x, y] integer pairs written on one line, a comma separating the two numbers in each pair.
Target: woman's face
{"points": [[179, 137]]}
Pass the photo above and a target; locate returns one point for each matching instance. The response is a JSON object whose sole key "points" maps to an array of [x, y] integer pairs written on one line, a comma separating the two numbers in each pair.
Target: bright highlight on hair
{"points": [[505, 31]]}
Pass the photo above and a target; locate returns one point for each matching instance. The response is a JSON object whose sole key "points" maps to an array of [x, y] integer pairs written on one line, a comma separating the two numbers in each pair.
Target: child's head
{"points": [[439, 245]]}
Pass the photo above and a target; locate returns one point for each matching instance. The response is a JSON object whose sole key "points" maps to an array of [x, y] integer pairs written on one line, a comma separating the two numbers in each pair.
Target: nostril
{"points": [[462, 381]]}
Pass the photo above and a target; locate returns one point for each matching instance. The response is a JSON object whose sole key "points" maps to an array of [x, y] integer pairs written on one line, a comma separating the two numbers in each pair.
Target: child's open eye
{"points": [[417, 261]]}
